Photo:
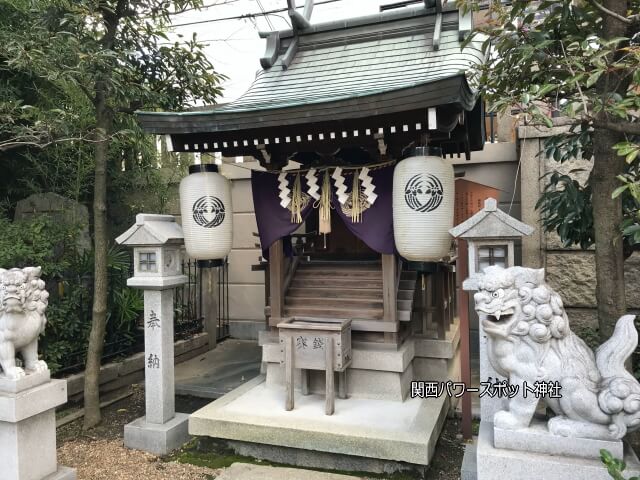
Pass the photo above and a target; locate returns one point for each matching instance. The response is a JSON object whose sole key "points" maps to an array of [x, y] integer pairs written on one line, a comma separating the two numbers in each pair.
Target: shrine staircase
{"points": [[345, 290]]}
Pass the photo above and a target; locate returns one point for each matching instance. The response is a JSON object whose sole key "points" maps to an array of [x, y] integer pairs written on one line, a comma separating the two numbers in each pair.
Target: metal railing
{"points": [[223, 301], [188, 321]]}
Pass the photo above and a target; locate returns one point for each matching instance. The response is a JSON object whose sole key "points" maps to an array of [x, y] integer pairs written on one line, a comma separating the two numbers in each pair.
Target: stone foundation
{"points": [[482, 461]]}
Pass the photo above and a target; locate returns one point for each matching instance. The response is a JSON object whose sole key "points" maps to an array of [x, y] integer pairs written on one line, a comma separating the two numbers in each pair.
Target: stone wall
{"points": [[246, 287], [60, 209], [570, 271]]}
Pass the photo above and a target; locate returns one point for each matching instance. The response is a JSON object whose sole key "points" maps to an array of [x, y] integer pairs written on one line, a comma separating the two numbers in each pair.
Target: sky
{"points": [[233, 46]]}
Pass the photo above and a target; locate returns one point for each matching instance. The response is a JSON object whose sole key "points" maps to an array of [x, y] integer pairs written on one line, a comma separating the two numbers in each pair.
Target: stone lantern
{"points": [[157, 242], [491, 236]]}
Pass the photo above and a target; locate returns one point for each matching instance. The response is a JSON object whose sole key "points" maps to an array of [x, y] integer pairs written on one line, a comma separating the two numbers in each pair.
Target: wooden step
{"points": [[339, 273], [334, 312], [405, 294], [355, 302], [407, 285], [330, 292], [405, 275], [348, 282], [404, 305], [341, 265]]}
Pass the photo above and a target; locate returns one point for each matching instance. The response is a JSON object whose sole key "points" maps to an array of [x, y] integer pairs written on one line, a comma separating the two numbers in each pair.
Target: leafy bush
{"points": [[43, 242], [615, 466]]}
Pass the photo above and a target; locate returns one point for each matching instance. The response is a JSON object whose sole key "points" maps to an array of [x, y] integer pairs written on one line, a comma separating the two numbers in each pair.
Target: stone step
{"points": [[329, 292], [342, 302], [334, 312]]}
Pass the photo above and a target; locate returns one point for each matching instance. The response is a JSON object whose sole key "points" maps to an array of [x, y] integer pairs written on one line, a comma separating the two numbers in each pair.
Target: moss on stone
{"points": [[216, 455]]}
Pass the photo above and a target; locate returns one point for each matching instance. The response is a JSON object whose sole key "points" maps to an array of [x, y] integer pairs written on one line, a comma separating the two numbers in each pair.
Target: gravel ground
{"points": [[99, 454], [109, 460]]}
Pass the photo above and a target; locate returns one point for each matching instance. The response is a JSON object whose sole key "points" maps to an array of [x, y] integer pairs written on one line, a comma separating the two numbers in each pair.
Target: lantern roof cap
{"points": [[491, 222], [152, 230]]}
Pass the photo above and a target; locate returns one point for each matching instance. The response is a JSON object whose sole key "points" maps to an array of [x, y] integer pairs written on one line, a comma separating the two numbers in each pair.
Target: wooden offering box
{"points": [[315, 344]]}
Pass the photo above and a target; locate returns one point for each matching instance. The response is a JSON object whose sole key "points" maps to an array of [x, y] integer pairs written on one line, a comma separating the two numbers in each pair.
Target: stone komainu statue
{"points": [[529, 340], [23, 301]]}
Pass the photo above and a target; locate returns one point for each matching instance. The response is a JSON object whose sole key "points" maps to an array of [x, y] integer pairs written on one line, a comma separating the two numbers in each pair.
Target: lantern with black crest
{"points": [[423, 201], [207, 215]]}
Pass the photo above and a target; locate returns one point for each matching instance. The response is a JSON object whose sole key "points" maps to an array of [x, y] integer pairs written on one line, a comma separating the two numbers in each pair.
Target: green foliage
{"points": [[53, 56], [566, 208], [615, 466], [555, 59], [51, 244], [72, 73], [630, 191]]}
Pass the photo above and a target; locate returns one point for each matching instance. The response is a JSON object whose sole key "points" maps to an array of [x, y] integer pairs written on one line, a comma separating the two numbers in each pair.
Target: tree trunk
{"points": [[607, 217], [607, 212], [92, 415]]}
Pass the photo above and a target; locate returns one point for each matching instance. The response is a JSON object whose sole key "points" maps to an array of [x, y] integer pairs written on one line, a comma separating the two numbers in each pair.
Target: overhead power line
{"points": [[245, 16]]}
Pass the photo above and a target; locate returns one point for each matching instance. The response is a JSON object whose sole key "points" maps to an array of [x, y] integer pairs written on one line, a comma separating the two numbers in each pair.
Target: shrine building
{"points": [[353, 317]]}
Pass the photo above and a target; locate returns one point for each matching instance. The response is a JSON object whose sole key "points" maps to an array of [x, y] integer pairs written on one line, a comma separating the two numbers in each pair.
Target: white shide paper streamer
{"points": [[285, 191]]}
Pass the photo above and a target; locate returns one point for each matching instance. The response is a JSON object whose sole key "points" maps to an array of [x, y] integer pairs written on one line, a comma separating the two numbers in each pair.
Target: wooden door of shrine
{"points": [[340, 244]]}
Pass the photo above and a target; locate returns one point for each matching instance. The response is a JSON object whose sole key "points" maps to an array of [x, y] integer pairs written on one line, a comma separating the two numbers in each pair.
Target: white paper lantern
{"points": [[207, 214], [423, 200]]}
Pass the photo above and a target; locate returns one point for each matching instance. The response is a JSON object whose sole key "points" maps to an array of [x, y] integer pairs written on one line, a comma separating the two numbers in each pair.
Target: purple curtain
{"points": [[274, 221], [376, 226]]}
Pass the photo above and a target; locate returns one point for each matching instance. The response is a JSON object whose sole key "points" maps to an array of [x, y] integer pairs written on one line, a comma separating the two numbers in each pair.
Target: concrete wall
{"points": [[246, 287], [570, 271]]}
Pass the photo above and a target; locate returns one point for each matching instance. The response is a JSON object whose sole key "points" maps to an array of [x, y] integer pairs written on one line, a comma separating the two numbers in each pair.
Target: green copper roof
{"points": [[341, 70]]}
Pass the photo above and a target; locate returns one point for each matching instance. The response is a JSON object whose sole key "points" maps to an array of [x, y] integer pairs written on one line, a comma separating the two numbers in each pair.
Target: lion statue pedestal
{"points": [[28, 396], [565, 402]]}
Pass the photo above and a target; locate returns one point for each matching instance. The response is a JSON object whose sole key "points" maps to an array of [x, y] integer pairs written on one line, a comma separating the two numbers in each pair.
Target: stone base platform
{"points": [[492, 463], [63, 473], [365, 428], [537, 439], [32, 380], [159, 439]]}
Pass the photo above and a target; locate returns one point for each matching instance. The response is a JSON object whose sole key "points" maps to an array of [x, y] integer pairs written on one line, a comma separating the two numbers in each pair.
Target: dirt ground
{"points": [[99, 454]]}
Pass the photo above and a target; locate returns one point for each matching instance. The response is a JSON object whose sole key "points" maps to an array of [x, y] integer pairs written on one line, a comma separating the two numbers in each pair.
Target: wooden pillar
{"points": [[276, 282], [329, 407], [209, 279], [390, 294], [288, 373], [462, 271], [440, 298]]}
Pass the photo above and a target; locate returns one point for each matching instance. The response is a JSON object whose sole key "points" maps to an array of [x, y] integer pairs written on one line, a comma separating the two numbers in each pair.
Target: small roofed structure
{"points": [[157, 242], [491, 234]]}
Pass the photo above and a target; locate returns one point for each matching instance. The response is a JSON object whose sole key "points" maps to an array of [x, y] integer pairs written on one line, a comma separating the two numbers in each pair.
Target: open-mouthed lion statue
{"points": [[529, 340], [23, 301]]}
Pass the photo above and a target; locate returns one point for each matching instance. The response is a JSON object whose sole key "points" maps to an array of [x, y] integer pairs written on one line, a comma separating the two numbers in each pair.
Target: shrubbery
{"points": [[43, 242]]}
